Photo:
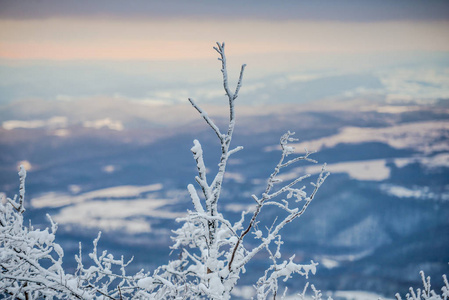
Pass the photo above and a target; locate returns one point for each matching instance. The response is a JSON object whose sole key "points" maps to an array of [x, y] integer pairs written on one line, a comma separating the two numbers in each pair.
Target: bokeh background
{"points": [[93, 102]]}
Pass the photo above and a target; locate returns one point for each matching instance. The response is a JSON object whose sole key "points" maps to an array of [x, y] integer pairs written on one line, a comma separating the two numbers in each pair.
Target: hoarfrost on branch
{"points": [[213, 251]]}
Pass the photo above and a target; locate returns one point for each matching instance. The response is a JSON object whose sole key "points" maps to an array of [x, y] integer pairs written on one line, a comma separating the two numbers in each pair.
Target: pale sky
{"points": [[173, 30], [109, 39], [79, 48]]}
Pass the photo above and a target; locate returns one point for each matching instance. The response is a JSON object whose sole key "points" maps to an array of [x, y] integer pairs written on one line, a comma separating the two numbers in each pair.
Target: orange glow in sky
{"points": [[90, 39]]}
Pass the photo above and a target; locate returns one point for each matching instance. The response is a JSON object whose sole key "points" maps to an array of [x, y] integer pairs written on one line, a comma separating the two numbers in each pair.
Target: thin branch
{"points": [[236, 149], [285, 188], [305, 157], [224, 70], [207, 119], [23, 175], [218, 218], [322, 177], [239, 84]]}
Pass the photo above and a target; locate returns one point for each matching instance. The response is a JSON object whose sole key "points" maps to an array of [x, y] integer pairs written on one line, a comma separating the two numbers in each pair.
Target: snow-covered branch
{"points": [[293, 213], [212, 250], [217, 245], [427, 293]]}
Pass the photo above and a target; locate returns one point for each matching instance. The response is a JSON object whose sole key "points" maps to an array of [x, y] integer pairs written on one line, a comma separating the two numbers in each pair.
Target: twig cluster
{"points": [[213, 250]]}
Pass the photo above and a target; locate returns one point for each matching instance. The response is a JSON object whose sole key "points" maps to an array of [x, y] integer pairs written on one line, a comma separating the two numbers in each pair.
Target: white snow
{"points": [[245, 292], [74, 188], [54, 199], [436, 161], [238, 208], [426, 137], [357, 295], [59, 123], [61, 132], [342, 295], [415, 84], [107, 208], [54, 122], [108, 169], [237, 177], [107, 123], [127, 215], [145, 283], [13, 124], [375, 170], [393, 109], [416, 192], [329, 263]]}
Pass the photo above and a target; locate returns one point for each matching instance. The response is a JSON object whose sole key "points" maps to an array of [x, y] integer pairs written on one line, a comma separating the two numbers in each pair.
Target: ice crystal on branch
{"points": [[213, 251], [427, 293]]}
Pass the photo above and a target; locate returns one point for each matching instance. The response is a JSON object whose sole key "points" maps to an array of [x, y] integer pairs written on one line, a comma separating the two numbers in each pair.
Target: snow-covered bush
{"points": [[213, 252], [427, 293], [31, 262]]}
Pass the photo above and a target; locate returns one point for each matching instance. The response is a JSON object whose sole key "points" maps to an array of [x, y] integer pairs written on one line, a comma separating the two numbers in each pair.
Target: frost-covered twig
{"points": [[212, 250], [213, 247], [19, 206], [427, 293], [272, 180]]}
